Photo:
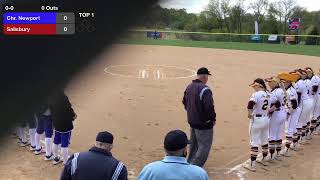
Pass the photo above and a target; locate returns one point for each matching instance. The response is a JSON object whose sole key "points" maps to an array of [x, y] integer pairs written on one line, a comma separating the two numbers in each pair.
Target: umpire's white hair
{"points": [[202, 75]]}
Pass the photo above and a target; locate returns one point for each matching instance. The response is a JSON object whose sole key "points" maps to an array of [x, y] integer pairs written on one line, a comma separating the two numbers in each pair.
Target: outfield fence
{"points": [[225, 37]]}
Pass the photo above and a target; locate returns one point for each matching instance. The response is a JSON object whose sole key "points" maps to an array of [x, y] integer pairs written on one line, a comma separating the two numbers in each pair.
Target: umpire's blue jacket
{"points": [[198, 102], [96, 164]]}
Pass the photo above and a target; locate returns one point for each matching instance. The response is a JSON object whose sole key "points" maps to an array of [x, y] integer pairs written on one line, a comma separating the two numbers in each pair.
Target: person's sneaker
{"points": [[14, 135], [263, 162], [32, 148], [251, 166], [38, 151], [271, 160], [302, 142], [49, 158], [308, 141], [24, 144], [278, 157], [296, 147], [309, 137], [285, 153], [305, 140], [57, 160]]}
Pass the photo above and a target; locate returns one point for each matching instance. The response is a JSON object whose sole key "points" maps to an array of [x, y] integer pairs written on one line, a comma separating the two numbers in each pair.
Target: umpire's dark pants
{"points": [[201, 142]]}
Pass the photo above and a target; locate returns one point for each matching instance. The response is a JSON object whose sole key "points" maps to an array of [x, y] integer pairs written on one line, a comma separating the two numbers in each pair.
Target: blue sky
{"points": [[196, 6]]}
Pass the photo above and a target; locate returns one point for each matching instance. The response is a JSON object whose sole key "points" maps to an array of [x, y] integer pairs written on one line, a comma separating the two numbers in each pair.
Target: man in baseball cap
{"points": [[174, 165], [203, 71], [199, 104], [97, 163]]}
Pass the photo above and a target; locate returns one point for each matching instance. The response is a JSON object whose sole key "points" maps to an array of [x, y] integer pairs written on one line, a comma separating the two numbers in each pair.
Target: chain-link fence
{"points": [[224, 37]]}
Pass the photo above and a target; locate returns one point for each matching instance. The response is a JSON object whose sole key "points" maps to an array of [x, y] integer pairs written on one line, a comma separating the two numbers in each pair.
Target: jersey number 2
{"points": [[265, 105]]}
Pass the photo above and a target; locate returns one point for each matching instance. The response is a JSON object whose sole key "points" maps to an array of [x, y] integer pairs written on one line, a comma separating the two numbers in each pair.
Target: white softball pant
{"points": [[292, 121], [305, 116], [276, 125], [316, 108], [259, 131]]}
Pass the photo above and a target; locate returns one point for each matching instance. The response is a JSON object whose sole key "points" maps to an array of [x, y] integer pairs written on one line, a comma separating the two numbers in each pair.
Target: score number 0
{"points": [[65, 28]]}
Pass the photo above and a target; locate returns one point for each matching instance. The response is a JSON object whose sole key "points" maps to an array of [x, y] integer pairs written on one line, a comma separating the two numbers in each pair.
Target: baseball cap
{"points": [[308, 69], [301, 72], [175, 140], [203, 70], [258, 82], [275, 79], [105, 137]]}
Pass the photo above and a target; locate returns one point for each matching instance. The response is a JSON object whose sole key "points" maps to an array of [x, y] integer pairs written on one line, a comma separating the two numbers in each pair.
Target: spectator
{"points": [[201, 114], [174, 166], [97, 163]]}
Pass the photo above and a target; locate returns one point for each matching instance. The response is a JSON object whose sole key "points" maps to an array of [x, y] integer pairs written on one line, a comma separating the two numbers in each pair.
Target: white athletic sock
{"points": [[55, 150], [64, 154], [48, 142], [23, 135], [38, 141], [32, 133]]}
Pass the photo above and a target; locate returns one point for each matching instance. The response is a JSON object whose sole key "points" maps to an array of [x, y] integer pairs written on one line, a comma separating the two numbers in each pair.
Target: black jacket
{"points": [[96, 164], [62, 112], [201, 113]]}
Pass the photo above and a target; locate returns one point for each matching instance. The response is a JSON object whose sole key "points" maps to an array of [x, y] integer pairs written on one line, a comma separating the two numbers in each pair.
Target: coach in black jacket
{"points": [[62, 117], [198, 102], [96, 164]]}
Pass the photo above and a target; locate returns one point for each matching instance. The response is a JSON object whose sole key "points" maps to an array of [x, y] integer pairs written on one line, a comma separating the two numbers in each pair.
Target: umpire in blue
{"points": [[98, 163], [198, 102], [174, 166]]}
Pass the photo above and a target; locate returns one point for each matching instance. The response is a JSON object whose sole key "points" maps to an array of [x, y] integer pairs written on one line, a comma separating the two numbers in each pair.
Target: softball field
{"points": [[137, 95]]}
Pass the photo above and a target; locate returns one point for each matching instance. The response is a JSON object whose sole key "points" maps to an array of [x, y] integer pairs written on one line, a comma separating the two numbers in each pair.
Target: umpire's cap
{"points": [[175, 140], [203, 70]]}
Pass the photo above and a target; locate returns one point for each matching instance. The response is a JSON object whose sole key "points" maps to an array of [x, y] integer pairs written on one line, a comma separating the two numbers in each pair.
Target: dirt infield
{"points": [[137, 97]]}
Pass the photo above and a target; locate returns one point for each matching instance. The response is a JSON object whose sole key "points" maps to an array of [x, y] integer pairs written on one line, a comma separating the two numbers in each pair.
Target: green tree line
{"points": [[227, 17]]}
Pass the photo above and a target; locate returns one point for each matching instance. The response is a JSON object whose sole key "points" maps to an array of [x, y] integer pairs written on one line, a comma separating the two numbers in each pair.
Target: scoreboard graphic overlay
{"points": [[41, 19], [39, 23]]}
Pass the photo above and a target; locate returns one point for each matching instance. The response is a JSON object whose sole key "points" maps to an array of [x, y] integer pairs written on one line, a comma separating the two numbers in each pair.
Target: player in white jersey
{"points": [[278, 117], [305, 103], [316, 91], [258, 107], [308, 83], [313, 85], [293, 111]]}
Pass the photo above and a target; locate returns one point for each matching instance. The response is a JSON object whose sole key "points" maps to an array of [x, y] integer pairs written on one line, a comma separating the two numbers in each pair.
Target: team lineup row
{"points": [[293, 100], [54, 119]]}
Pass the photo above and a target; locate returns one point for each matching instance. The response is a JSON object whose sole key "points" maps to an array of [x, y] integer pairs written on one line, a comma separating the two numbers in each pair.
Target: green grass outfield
{"points": [[278, 48]]}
